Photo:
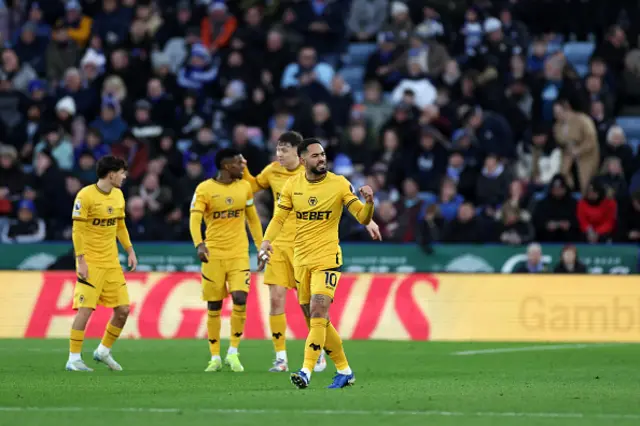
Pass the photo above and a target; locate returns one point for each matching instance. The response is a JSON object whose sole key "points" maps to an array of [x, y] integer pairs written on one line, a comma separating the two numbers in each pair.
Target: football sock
{"points": [[75, 343], [110, 336], [238, 317], [315, 342], [213, 332], [278, 325], [333, 347]]}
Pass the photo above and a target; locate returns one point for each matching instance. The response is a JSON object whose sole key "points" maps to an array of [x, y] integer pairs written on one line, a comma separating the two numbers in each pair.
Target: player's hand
{"points": [[243, 160], [83, 269], [367, 193], [203, 253], [374, 231], [133, 260], [264, 254]]}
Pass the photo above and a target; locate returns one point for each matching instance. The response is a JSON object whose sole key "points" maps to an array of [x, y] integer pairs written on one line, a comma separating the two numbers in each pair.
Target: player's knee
{"points": [[239, 298], [214, 306], [306, 310], [277, 302], [122, 312]]}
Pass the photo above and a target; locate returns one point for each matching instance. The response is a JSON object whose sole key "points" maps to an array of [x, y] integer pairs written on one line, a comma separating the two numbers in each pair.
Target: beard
{"points": [[317, 172]]}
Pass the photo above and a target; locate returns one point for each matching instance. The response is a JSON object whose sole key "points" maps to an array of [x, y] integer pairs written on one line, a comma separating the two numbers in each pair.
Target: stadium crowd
{"points": [[473, 121]]}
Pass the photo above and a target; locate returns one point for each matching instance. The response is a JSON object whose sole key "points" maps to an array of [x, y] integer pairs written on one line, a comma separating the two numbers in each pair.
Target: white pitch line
{"points": [[427, 413], [535, 348]]}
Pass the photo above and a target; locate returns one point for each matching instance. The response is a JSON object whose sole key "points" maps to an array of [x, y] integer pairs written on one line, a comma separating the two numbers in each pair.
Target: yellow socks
{"points": [[315, 342], [238, 317], [213, 332], [333, 347], [111, 334], [75, 341], [278, 325]]}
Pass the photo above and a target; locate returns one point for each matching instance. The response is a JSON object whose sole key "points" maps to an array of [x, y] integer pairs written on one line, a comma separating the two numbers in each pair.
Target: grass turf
{"points": [[399, 383]]}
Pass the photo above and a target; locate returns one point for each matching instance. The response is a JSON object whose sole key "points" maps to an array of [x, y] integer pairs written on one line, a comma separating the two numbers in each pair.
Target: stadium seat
{"points": [[353, 76], [631, 127], [578, 52], [358, 53]]}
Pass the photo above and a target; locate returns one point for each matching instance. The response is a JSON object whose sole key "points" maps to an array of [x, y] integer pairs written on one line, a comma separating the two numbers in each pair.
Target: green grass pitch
{"points": [[398, 383]]}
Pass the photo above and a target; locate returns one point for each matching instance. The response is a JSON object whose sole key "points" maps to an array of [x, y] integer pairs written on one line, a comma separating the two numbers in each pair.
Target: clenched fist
{"points": [[367, 193]]}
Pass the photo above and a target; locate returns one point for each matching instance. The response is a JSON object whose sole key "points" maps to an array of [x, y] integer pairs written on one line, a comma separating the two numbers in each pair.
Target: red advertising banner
{"points": [[385, 306]]}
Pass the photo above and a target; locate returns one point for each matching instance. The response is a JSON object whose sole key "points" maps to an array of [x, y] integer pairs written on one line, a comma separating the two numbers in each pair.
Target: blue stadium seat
{"points": [[358, 53], [354, 76], [578, 52], [582, 69], [631, 127]]}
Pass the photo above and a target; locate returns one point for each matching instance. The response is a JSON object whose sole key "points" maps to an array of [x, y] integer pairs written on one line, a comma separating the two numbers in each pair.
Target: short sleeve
{"points": [[198, 202], [263, 178], [348, 194], [285, 201], [81, 206]]}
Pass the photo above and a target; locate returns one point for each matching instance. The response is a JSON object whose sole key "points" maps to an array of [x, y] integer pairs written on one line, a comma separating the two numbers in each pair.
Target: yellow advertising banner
{"points": [[590, 308]]}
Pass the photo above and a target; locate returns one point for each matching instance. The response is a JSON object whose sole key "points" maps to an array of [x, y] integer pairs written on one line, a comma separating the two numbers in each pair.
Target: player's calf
{"points": [[213, 334], [278, 326]]}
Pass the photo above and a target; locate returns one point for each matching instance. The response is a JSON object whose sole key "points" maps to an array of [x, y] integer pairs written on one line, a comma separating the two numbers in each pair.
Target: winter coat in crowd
{"points": [[554, 217]]}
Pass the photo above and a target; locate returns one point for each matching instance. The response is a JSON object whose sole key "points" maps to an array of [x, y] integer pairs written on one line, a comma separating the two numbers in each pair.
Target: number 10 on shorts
{"points": [[330, 279]]}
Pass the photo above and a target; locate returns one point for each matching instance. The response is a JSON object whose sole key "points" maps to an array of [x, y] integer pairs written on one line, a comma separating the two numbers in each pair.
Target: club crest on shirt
{"points": [[109, 210], [229, 201], [193, 202], [313, 201], [78, 205]]}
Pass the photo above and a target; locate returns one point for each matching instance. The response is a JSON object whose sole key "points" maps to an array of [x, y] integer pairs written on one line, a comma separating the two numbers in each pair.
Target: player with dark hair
{"points": [[279, 275], [98, 219], [224, 203], [317, 197]]}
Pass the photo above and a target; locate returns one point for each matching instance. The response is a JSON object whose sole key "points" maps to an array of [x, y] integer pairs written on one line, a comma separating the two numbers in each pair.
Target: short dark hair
{"points": [[304, 145], [108, 164], [291, 138], [225, 154]]}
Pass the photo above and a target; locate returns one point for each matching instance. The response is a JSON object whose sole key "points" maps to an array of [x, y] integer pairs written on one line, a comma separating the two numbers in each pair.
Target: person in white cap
{"points": [[400, 25]]}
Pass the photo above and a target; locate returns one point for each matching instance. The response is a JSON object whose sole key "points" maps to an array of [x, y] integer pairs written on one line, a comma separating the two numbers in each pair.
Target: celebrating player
{"points": [[223, 203], [317, 197], [279, 275], [98, 218]]}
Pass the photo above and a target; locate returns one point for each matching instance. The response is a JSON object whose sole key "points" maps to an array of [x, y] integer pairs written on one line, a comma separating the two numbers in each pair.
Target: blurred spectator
{"points": [[447, 203], [576, 135], [136, 152], [110, 125], [62, 53], [56, 142], [629, 219], [465, 228], [613, 49], [358, 147], [408, 209], [142, 126], [366, 19], [205, 149], [156, 197], [31, 48], [597, 213], [112, 25], [400, 24], [616, 146], [217, 28], [20, 74], [493, 183], [141, 226], [85, 168], [323, 26], [79, 25], [514, 228], [514, 29], [554, 217], [534, 263], [85, 98], [416, 82], [28, 228], [188, 183], [539, 158], [199, 72], [12, 178], [313, 77], [376, 110], [491, 131], [569, 262], [386, 216], [612, 177], [35, 17], [464, 175], [379, 64], [427, 163]]}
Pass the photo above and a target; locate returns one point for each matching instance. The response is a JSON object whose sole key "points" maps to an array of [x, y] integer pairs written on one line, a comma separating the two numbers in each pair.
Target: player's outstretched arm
{"points": [[257, 183], [125, 241], [362, 212], [255, 227]]}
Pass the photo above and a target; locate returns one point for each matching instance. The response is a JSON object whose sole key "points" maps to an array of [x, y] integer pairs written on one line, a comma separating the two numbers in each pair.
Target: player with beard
{"points": [[317, 197]]}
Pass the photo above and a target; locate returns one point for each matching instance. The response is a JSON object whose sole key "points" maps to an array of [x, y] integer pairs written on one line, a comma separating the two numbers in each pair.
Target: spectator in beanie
{"points": [[27, 229], [199, 72], [55, 141], [217, 28], [576, 135], [65, 113], [554, 217], [569, 262], [110, 125], [628, 220], [78, 25], [597, 213], [366, 19], [400, 24], [62, 53]]}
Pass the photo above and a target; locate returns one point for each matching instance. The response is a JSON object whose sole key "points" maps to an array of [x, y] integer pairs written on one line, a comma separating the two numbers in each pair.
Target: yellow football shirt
{"points": [[274, 176], [317, 207], [101, 211], [223, 210]]}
